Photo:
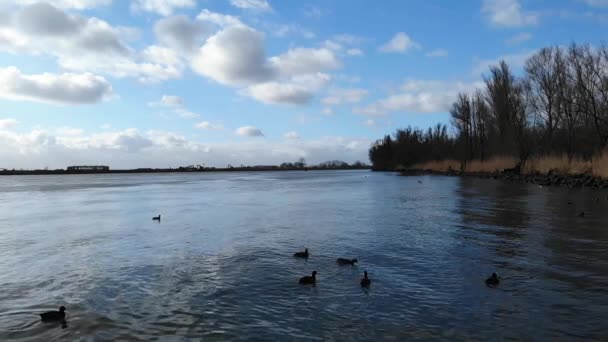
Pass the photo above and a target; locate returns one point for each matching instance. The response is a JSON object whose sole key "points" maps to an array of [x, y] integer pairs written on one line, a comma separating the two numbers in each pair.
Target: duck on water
{"points": [[365, 281], [309, 280], [493, 281], [54, 316], [156, 218], [301, 254], [343, 261]]}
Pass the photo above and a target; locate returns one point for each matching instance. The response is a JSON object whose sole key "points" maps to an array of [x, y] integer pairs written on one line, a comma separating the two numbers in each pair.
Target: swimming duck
{"points": [[342, 261], [309, 280], [156, 218], [365, 281], [493, 280], [53, 316], [301, 254]]}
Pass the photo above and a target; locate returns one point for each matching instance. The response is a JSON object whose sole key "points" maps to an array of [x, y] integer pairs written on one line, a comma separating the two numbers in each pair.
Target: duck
{"points": [[343, 261], [309, 280], [419, 182], [54, 316], [156, 218], [493, 281], [301, 254], [365, 281]]}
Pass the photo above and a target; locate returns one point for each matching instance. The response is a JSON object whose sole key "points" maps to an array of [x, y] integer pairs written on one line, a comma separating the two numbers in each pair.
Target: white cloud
{"points": [[519, 38], [249, 131], [162, 7], [75, 4], [208, 125], [176, 104], [400, 43], [160, 55], [81, 44], [6, 124], [286, 30], [258, 5], [131, 148], [370, 122], [516, 61], [419, 96], [291, 135], [354, 52], [437, 53], [66, 88], [341, 96], [328, 111], [234, 56], [299, 61], [222, 20], [508, 13], [179, 32], [281, 93]]}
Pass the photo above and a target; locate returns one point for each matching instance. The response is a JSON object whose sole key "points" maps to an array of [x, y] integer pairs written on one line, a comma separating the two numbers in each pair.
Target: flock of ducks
{"points": [[312, 279], [59, 316], [492, 281]]}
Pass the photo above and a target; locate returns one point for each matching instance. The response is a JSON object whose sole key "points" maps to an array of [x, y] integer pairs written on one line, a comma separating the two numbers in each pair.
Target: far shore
{"points": [[173, 170], [551, 178]]}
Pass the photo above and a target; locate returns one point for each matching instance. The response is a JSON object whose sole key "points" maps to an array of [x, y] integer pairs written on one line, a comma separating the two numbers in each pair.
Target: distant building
{"points": [[88, 168]]}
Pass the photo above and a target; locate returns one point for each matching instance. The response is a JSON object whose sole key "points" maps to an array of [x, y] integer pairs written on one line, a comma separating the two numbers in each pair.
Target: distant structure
{"points": [[88, 168]]}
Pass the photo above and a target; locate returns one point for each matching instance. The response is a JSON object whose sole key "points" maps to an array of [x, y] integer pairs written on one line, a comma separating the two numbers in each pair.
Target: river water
{"points": [[219, 265]]}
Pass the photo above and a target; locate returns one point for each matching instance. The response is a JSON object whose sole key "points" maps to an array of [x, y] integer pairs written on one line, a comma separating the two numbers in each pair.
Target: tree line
{"points": [[558, 106]]}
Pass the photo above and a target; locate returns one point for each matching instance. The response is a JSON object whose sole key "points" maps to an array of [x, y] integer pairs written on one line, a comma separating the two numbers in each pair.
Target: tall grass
{"points": [[597, 167]]}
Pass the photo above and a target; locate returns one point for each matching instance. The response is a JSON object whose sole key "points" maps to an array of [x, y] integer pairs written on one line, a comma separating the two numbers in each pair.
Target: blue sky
{"points": [[178, 82]]}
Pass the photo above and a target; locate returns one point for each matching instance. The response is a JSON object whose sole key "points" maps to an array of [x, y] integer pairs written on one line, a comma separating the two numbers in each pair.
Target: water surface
{"points": [[219, 265]]}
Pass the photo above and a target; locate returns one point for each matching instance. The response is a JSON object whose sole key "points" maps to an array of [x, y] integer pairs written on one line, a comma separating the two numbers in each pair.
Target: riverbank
{"points": [[170, 170], [552, 178]]}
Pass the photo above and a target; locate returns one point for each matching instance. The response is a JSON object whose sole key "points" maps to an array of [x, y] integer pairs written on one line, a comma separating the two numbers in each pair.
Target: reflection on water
{"points": [[219, 264]]}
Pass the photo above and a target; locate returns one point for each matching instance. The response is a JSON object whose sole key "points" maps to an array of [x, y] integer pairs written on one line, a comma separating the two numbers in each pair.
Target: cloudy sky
{"points": [[177, 82]]}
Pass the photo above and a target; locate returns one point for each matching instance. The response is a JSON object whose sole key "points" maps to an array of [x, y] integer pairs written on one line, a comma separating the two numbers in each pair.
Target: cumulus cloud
{"points": [[179, 32], [400, 43], [208, 125], [519, 38], [419, 96], [176, 104], [258, 5], [82, 44], [437, 53], [515, 61], [67, 88], [7, 123], [249, 131], [340, 96], [291, 135], [300, 61], [234, 56], [354, 52], [74, 4], [132, 148], [162, 7], [222, 20], [508, 13], [281, 93]]}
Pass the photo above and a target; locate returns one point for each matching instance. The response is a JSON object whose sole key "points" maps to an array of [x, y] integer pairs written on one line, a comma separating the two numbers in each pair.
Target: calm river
{"points": [[219, 265]]}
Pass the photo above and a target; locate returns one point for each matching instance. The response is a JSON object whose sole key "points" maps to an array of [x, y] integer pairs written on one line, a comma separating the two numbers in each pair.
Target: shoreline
{"points": [[170, 170], [548, 179]]}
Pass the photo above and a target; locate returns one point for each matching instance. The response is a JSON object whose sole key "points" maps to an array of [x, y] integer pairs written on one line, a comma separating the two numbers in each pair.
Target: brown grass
{"points": [[598, 166]]}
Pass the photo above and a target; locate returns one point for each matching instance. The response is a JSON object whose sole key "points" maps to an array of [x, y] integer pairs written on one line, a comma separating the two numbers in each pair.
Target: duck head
{"points": [[62, 309], [365, 274], [314, 274], [494, 275], [354, 261]]}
